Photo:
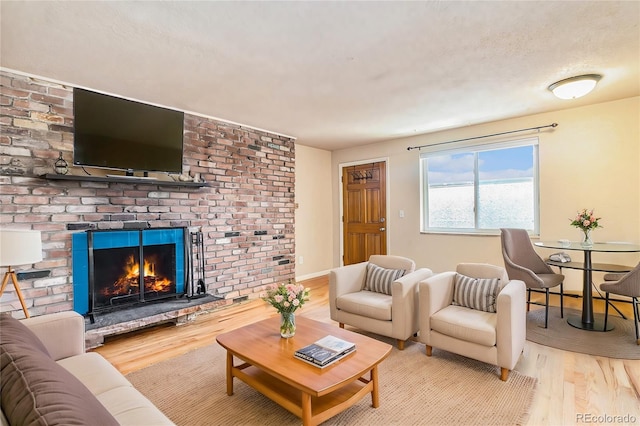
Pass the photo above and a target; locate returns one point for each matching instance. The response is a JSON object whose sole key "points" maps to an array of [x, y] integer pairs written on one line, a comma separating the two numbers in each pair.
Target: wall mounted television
{"points": [[120, 134]]}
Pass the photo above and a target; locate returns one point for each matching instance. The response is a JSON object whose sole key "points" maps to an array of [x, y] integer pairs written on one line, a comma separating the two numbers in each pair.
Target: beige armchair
{"points": [[492, 337], [355, 302]]}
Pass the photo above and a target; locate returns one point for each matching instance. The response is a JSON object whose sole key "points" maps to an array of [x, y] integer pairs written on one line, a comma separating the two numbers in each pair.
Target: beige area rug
{"points": [[617, 343], [444, 389]]}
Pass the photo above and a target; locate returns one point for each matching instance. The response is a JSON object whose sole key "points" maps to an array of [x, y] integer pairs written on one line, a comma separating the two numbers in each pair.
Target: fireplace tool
{"points": [[197, 286]]}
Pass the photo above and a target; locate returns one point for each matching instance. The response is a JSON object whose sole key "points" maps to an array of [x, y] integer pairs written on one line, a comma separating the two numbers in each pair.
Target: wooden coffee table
{"points": [[312, 393]]}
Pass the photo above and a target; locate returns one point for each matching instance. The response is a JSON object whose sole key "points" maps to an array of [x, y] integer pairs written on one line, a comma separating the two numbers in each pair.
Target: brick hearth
{"points": [[178, 311]]}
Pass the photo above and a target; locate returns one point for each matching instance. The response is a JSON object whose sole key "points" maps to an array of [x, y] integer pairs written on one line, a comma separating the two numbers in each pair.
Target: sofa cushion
{"points": [[13, 331], [113, 390], [37, 391], [379, 279], [466, 324], [95, 372], [476, 293], [130, 407], [366, 303]]}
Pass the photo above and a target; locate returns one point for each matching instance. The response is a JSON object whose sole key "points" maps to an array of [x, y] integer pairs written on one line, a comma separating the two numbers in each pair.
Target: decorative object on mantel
{"points": [[184, 177], [287, 298], [18, 247], [586, 221], [61, 167]]}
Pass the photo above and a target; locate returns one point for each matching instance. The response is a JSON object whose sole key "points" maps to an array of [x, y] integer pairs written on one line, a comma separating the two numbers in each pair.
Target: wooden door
{"points": [[364, 209]]}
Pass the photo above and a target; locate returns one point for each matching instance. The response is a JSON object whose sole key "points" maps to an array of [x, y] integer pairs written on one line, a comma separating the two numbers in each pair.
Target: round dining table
{"points": [[587, 321]]}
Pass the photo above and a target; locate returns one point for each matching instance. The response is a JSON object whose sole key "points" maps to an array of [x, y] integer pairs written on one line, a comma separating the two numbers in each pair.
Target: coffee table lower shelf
{"points": [[311, 409]]}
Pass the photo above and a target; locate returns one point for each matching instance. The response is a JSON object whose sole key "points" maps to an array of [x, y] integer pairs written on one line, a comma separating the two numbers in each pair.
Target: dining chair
{"points": [[614, 276], [628, 285], [523, 263]]}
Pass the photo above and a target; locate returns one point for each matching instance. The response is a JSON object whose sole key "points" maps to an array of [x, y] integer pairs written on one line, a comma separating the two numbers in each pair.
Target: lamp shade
{"points": [[20, 247]]}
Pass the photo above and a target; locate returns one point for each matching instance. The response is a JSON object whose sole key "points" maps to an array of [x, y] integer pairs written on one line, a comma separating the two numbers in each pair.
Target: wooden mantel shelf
{"points": [[122, 179]]}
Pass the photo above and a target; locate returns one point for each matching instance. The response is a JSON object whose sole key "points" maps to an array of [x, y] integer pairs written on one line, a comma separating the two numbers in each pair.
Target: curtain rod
{"points": [[484, 136]]}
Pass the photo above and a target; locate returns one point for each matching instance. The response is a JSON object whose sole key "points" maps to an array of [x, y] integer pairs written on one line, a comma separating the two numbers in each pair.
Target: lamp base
{"points": [[11, 274]]}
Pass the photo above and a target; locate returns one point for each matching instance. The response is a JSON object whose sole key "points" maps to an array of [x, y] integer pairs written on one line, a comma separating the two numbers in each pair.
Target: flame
{"points": [[129, 282]]}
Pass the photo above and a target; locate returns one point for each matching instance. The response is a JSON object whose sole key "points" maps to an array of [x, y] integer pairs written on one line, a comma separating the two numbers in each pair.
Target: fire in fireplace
{"points": [[129, 281], [117, 274]]}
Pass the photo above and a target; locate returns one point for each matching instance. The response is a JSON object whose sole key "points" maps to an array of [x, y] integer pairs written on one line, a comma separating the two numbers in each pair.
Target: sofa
{"points": [[48, 378]]}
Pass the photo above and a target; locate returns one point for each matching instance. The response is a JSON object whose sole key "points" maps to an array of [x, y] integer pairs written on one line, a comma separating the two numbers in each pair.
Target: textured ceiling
{"points": [[331, 74]]}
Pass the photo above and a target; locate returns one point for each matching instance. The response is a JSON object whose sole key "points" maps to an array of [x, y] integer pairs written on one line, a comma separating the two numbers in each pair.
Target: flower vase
{"points": [[586, 242], [287, 324]]}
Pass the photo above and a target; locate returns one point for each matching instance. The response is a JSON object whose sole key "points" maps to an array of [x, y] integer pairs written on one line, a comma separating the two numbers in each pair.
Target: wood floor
{"points": [[572, 388]]}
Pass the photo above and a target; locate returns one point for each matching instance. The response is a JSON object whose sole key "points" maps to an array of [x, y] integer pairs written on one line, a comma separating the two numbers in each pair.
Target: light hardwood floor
{"points": [[573, 388]]}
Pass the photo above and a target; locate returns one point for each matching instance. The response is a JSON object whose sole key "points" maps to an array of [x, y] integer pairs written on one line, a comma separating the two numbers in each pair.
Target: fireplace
{"points": [[118, 269], [117, 274]]}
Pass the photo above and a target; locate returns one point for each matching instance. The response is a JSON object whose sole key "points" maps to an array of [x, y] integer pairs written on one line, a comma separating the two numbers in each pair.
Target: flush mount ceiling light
{"points": [[575, 87]]}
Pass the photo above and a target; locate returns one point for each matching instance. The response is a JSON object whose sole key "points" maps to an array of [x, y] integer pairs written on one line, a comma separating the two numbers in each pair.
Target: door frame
{"points": [[341, 166]]}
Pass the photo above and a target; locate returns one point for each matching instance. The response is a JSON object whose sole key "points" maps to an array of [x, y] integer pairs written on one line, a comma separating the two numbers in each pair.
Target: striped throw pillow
{"points": [[476, 293], [379, 279]]}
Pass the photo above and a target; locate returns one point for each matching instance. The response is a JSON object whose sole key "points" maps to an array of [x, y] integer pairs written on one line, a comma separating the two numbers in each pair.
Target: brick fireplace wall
{"points": [[246, 211]]}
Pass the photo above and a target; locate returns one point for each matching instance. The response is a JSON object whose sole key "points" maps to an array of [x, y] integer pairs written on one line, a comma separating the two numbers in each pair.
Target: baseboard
{"points": [[312, 275]]}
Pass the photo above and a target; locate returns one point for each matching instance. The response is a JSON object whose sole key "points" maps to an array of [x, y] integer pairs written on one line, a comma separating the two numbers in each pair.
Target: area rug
{"points": [[617, 343], [443, 389]]}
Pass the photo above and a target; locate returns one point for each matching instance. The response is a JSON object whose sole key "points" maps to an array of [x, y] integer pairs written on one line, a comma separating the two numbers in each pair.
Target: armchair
{"points": [[492, 337], [355, 302]]}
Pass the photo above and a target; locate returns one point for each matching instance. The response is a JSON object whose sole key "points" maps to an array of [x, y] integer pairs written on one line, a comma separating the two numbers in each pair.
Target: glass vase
{"points": [[586, 242], [287, 324]]}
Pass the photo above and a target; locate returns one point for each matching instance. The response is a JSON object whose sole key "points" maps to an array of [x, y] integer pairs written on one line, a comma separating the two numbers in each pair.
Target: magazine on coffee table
{"points": [[325, 351]]}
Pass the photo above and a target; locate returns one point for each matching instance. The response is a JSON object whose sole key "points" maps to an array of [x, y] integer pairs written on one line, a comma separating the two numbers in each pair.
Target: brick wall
{"points": [[246, 211]]}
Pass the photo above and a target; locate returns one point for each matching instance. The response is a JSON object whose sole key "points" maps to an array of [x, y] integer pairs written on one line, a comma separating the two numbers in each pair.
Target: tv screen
{"points": [[117, 133]]}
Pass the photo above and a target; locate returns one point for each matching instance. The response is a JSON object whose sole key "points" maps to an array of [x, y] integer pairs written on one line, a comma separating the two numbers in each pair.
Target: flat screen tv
{"points": [[116, 133]]}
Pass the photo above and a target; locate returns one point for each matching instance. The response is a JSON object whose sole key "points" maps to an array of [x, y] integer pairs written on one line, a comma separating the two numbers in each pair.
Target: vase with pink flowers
{"points": [[586, 220], [287, 298]]}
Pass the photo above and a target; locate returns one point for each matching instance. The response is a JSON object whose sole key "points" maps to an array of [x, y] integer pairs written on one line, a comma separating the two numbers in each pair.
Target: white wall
{"points": [[314, 221], [591, 160]]}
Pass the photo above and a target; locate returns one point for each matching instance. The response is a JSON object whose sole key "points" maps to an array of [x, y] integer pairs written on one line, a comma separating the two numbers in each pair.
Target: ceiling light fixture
{"points": [[575, 87]]}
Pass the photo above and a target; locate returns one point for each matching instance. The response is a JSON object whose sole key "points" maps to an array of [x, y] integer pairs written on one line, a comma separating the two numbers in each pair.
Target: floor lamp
{"points": [[18, 247]]}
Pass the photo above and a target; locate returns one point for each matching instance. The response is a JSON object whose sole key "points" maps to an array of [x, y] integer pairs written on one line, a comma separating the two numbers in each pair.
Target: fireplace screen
{"points": [[120, 268], [117, 274]]}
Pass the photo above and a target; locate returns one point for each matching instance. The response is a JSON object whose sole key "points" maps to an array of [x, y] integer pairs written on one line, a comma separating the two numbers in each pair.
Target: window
{"points": [[481, 188]]}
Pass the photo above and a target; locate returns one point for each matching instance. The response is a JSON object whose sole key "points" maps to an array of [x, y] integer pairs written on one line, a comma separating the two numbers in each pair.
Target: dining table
{"points": [[586, 320]]}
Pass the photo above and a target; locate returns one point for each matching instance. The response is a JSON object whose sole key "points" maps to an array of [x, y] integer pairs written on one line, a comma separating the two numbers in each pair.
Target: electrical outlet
{"points": [[300, 260]]}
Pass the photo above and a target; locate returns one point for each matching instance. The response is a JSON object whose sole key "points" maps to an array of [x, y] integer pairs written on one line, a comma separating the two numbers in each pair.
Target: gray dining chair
{"points": [[628, 285], [614, 276], [523, 263]]}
